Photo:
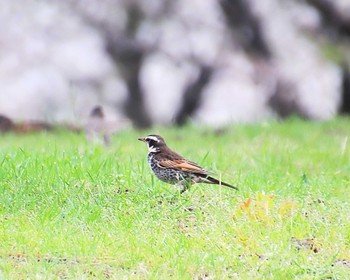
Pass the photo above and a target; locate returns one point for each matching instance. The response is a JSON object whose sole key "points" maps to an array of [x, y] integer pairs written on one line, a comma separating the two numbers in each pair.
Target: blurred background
{"points": [[211, 62]]}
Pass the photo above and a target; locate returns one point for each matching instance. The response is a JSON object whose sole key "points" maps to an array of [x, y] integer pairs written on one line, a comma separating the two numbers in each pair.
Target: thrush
{"points": [[96, 128], [172, 168]]}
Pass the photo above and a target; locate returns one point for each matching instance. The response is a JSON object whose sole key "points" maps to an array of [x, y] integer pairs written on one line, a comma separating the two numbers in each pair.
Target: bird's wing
{"points": [[183, 165]]}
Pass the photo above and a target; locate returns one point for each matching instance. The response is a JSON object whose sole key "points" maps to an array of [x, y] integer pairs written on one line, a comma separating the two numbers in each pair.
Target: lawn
{"points": [[75, 210]]}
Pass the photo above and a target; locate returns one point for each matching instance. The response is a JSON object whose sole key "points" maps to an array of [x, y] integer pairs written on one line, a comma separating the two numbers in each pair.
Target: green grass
{"points": [[69, 209]]}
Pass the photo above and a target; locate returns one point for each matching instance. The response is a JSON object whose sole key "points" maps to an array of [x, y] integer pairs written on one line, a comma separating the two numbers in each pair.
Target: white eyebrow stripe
{"points": [[153, 138]]}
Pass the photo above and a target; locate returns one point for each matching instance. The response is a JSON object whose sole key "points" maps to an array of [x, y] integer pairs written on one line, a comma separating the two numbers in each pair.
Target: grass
{"points": [[69, 209]]}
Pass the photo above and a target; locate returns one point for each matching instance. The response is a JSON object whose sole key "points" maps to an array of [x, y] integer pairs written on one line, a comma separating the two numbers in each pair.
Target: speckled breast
{"points": [[168, 175]]}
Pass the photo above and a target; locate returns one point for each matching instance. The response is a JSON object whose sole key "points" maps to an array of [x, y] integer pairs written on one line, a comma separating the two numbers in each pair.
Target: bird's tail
{"points": [[212, 180]]}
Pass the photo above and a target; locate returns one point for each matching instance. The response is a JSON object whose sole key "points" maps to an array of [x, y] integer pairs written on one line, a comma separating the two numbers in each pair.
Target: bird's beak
{"points": [[142, 139]]}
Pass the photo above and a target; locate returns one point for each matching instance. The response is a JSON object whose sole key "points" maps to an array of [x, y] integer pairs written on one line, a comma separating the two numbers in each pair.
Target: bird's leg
{"points": [[106, 138], [184, 186]]}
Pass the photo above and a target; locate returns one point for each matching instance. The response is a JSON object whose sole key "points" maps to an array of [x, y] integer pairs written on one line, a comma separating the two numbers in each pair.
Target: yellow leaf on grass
{"points": [[288, 208], [246, 204]]}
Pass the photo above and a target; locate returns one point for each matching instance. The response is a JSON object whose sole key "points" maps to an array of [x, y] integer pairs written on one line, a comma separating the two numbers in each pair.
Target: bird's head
{"points": [[97, 112], [154, 142]]}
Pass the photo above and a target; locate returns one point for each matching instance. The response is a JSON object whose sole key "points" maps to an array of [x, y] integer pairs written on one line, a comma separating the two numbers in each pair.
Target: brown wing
{"points": [[183, 165], [170, 159]]}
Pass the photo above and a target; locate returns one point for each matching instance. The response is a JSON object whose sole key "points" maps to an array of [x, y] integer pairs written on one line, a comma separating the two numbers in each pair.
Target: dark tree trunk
{"points": [[345, 102], [134, 106], [331, 17], [245, 27], [6, 124], [128, 54], [193, 95], [285, 103]]}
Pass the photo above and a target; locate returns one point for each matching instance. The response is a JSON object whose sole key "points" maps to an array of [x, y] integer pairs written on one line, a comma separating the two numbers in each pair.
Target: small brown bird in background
{"points": [[100, 129], [172, 168], [96, 126]]}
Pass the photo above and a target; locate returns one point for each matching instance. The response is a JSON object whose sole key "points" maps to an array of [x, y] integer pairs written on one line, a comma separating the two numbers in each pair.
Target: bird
{"points": [[95, 128], [99, 129], [172, 168]]}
